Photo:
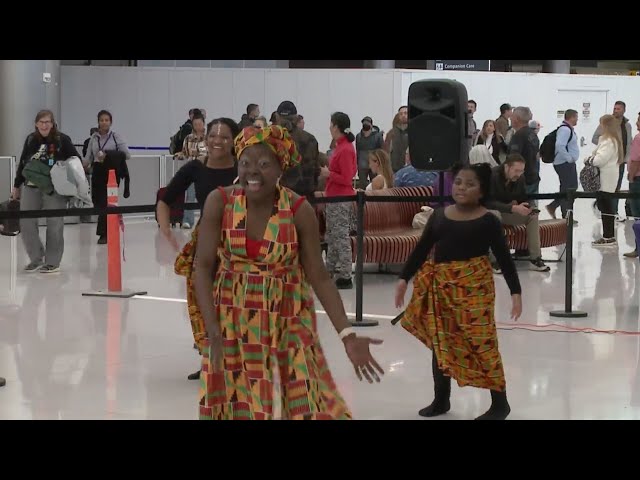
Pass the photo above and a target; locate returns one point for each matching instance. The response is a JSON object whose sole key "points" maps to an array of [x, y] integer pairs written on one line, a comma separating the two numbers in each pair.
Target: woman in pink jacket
{"points": [[342, 168]]}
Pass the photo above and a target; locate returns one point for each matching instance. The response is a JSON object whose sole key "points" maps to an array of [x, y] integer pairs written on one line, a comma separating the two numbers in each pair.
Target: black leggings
{"points": [[606, 207]]}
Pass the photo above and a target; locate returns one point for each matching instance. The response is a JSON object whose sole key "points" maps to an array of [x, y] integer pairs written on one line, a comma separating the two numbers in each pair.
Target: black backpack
{"points": [[548, 147], [177, 141]]}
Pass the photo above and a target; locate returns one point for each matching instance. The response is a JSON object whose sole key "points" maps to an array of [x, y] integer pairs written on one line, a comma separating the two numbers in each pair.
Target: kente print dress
{"points": [[452, 306], [266, 312]]}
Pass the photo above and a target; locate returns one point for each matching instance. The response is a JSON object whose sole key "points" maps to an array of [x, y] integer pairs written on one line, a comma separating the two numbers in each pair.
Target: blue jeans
{"points": [[189, 216], [568, 180]]}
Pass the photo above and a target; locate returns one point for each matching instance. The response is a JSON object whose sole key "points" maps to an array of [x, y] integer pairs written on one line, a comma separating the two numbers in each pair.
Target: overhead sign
{"points": [[468, 65]]}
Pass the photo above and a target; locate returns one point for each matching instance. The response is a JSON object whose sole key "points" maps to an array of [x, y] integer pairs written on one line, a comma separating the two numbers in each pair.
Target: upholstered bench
{"points": [[552, 234], [389, 237]]}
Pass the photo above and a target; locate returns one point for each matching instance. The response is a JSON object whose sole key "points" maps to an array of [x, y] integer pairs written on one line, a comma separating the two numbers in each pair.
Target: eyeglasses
{"points": [[44, 122]]}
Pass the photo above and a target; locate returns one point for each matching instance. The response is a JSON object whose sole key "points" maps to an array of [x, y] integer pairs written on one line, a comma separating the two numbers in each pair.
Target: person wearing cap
{"points": [[303, 179], [502, 122], [367, 141], [258, 266]]}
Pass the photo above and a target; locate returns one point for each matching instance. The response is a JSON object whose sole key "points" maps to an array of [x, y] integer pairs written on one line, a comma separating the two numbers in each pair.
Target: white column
{"points": [[23, 92]]}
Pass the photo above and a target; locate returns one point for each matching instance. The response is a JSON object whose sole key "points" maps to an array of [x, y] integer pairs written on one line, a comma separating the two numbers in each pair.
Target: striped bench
{"points": [[389, 237], [552, 234]]}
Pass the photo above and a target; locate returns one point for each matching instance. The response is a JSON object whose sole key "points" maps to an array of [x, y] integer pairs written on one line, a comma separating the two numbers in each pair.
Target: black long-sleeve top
{"points": [[50, 149], [204, 178], [456, 240]]}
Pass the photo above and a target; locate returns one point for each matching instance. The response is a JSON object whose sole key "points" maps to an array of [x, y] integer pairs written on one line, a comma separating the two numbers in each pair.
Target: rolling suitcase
{"points": [[10, 226]]}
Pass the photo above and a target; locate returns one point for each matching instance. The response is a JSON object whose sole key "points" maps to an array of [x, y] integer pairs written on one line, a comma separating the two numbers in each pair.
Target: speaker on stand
{"points": [[438, 126]]}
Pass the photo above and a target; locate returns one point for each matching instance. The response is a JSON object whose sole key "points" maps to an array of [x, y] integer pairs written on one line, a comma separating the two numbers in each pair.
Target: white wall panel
{"points": [[149, 103], [248, 87]]}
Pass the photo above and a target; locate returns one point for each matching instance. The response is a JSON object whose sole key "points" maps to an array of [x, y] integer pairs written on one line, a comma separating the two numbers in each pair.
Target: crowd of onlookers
{"points": [[510, 144]]}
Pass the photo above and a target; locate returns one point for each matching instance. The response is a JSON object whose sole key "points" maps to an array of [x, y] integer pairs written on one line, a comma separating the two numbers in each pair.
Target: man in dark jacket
{"points": [[526, 143], [397, 139], [253, 112], [185, 129], [302, 179], [367, 141], [509, 197]]}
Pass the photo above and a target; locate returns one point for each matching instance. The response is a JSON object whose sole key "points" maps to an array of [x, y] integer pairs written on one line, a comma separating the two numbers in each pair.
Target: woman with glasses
{"points": [[33, 186]]}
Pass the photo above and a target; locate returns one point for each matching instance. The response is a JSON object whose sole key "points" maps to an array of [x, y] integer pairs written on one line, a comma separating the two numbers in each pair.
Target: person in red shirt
{"points": [[342, 168]]}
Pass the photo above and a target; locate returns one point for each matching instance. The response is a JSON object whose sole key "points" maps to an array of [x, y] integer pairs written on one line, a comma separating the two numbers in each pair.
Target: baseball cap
{"points": [[287, 108], [367, 119]]}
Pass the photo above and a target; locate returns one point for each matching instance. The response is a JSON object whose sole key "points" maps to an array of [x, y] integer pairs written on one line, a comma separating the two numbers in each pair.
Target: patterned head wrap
{"points": [[274, 137]]}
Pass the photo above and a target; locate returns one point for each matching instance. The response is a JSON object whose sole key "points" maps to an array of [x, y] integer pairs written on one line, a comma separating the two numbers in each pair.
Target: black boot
{"points": [[194, 376], [442, 387], [499, 409], [3, 382]]}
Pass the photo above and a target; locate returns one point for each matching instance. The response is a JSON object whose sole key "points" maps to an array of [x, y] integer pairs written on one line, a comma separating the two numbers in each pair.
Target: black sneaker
{"points": [[538, 265], [496, 268], [344, 283], [102, 240], [3, 382], [34, 266]]}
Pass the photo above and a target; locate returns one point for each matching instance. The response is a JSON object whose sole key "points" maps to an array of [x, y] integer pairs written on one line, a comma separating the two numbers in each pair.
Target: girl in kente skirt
{"points": [[452, 307], [258, 259]]}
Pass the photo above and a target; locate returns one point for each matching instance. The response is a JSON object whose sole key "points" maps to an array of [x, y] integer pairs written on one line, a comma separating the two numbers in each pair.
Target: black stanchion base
{"points": [[364, 323], [107, 294], [565, 314]]}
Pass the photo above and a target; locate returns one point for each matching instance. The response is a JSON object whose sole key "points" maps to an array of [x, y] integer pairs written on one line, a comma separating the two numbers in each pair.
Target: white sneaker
{"points": [[49, 269]]}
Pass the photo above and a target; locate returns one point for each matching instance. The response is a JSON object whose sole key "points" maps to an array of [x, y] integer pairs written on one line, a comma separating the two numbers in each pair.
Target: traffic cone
{"points": [[114, 257]]}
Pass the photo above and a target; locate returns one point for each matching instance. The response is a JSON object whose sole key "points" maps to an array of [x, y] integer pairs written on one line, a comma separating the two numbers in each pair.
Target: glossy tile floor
{"points": [[71, 357]]}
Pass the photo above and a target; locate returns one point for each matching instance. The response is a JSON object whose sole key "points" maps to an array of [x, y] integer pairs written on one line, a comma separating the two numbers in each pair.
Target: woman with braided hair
{"points": [[218, 169], [258, 258]]}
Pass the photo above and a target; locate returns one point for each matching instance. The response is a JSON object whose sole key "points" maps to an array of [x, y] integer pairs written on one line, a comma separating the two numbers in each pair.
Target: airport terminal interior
{"points": [[66, 355]]}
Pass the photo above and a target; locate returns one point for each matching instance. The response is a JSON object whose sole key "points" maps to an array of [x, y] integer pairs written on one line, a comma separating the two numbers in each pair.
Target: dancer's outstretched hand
{"points": [[363, 362], [516, 307], [401, 290]]}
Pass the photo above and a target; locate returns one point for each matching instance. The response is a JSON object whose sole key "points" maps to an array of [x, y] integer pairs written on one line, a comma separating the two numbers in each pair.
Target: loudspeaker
{"points": [[438, 124]]}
